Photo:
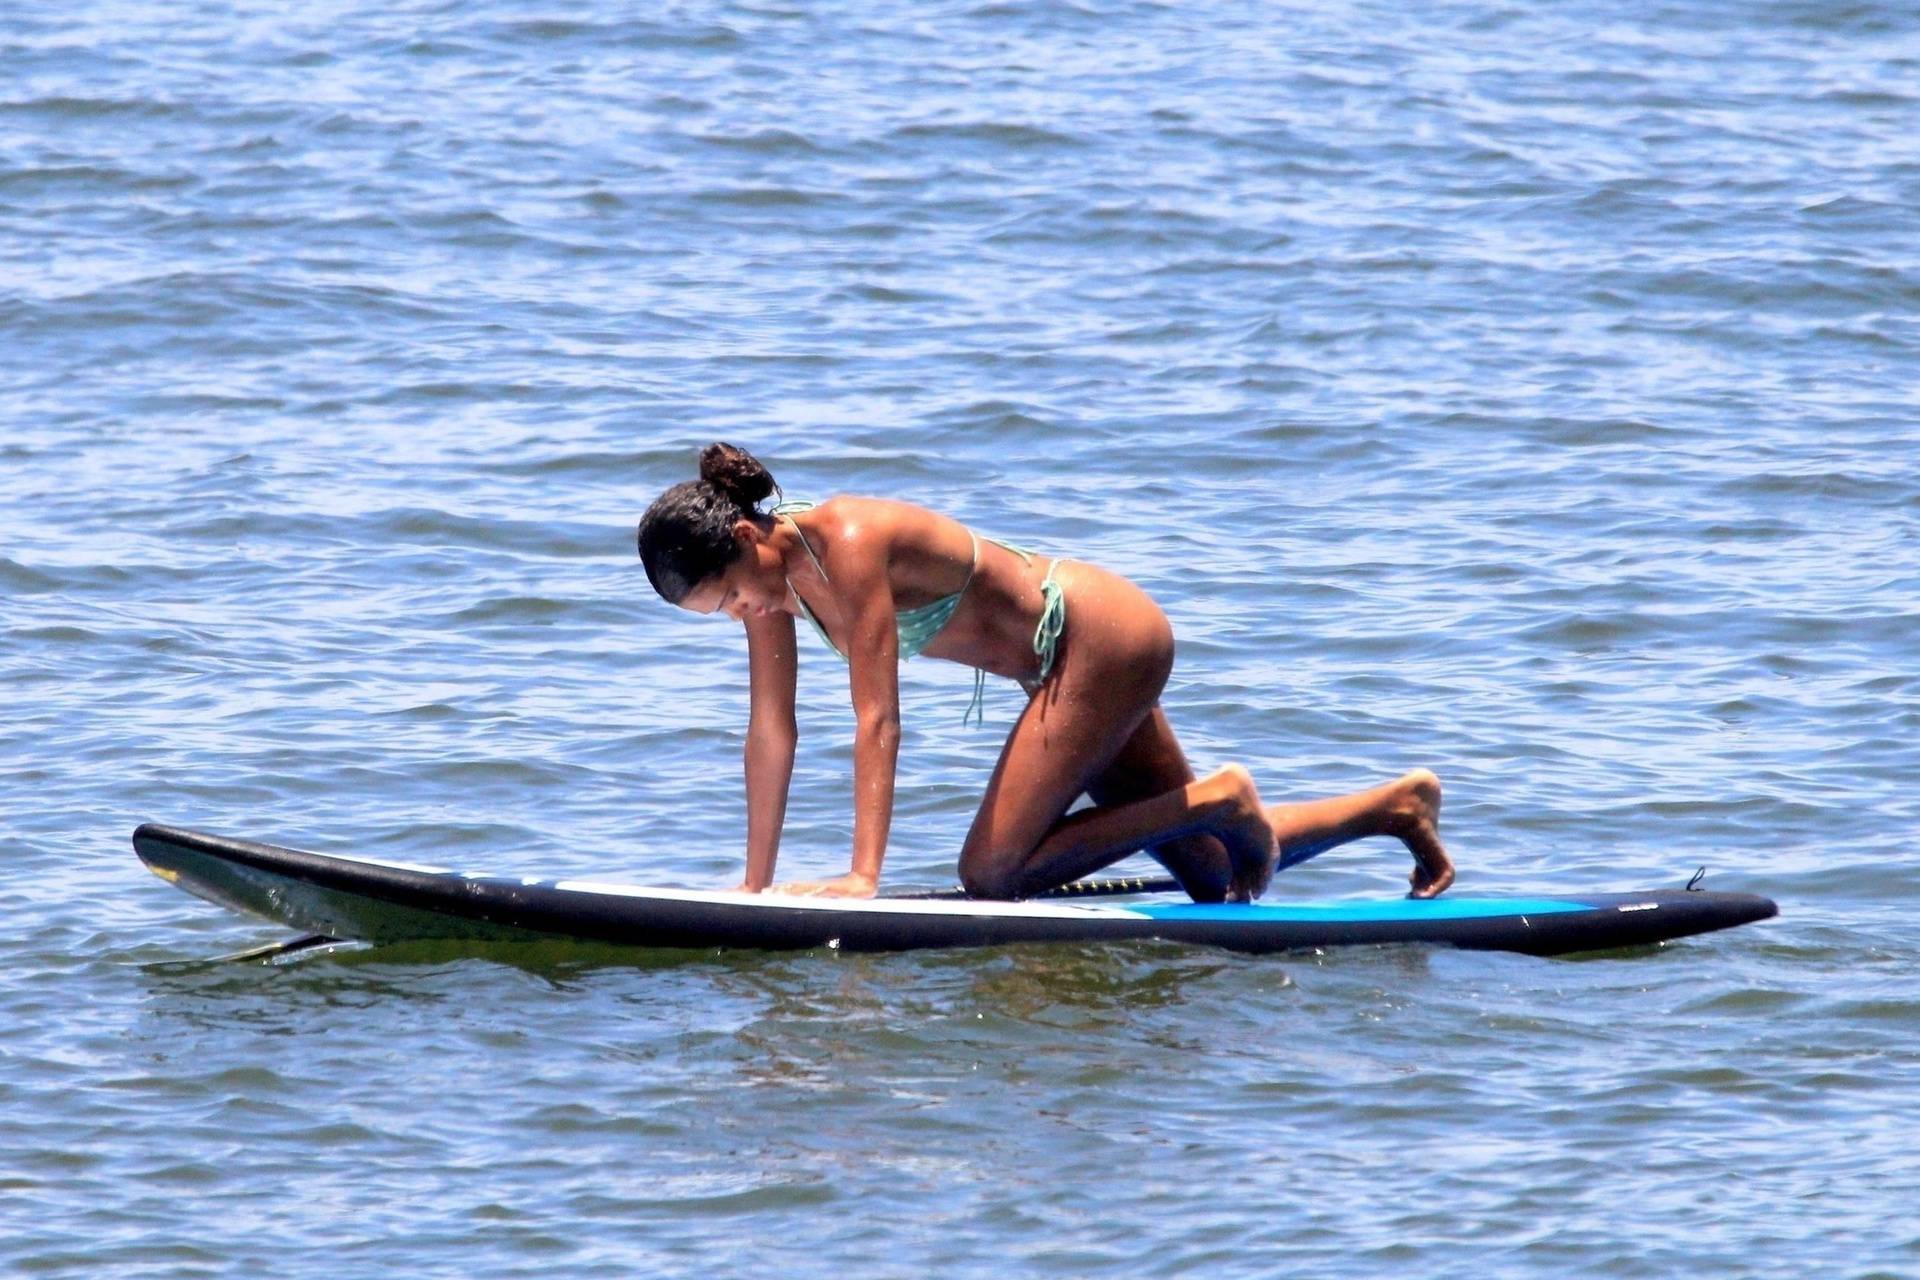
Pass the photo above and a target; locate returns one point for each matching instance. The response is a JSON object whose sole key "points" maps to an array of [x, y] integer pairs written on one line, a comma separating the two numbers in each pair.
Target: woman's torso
{"points": [[931, 558]]}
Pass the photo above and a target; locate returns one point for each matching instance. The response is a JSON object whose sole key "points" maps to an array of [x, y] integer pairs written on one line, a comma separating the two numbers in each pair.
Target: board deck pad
{"points": [[369, 900]]}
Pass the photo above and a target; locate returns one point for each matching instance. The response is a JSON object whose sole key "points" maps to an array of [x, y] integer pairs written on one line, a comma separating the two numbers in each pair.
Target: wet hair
{"points": [[686, 536]]}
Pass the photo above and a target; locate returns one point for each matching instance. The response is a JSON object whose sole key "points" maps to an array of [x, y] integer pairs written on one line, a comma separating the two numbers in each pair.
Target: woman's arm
{"points": [[772, 732], [873, 657], [860, 579]]}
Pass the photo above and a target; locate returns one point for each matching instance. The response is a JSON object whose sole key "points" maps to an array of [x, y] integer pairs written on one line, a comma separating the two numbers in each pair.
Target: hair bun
{"points": [[736, 473]]}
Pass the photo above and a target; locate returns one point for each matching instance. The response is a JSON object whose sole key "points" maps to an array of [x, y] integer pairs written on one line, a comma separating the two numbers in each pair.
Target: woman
{"points": [[883, 580]]}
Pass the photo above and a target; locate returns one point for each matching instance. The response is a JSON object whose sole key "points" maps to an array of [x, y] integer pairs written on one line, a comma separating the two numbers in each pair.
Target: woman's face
{"points": [[754, 585]]}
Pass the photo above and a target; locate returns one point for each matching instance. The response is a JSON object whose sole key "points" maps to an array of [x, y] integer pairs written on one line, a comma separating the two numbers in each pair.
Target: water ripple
{"points": [[1531, 402]]}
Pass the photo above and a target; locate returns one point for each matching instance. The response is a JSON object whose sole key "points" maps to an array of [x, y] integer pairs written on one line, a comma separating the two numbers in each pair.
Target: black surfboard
{"points": [[369, 900]]}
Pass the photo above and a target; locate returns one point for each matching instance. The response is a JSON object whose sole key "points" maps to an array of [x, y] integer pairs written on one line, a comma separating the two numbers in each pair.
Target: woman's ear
{"points": [[746, 533]]}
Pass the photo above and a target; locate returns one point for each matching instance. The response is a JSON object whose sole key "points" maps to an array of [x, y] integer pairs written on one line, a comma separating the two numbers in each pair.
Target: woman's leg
{"points": [[1150, 764], [1408, 808], [1107, 677]]}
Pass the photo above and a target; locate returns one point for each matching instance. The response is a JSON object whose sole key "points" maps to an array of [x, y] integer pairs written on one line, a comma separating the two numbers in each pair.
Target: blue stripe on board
{"points": [[1390, 909]]}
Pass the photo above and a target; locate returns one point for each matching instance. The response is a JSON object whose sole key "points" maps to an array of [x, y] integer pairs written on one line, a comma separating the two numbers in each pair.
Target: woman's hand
{"points": [[850, 885]]}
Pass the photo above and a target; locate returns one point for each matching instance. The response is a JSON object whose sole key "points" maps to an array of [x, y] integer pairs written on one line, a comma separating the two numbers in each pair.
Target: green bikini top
{"points": [[919, 626]]}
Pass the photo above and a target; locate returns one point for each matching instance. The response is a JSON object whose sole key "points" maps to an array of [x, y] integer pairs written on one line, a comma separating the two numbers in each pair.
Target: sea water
{"points": [[1523, 392]]}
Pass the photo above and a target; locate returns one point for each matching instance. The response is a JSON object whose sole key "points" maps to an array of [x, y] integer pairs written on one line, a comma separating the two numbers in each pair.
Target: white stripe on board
{"points": [[874, 906]]}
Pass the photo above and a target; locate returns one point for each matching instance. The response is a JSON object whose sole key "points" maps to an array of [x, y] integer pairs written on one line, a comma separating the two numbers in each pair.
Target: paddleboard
{"points": [[368, 900]]}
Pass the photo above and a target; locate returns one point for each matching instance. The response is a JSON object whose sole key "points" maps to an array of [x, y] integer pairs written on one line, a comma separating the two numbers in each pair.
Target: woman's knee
{"points": [[984, 874], [1199, 863]]}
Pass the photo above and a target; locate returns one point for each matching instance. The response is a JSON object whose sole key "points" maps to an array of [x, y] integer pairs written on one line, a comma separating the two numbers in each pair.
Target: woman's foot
{"points": [[1242, 826], [1413, 817]]}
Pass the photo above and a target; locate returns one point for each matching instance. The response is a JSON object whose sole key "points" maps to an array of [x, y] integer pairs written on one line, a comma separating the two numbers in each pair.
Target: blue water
{"points": [[1528, 393]]}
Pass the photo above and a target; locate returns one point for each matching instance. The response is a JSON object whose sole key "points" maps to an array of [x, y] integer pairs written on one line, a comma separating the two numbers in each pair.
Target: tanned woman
{"points": [[883, 580]]}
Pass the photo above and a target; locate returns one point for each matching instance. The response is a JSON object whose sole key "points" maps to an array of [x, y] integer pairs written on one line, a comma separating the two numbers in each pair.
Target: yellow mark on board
{"points": [[166, 873]]}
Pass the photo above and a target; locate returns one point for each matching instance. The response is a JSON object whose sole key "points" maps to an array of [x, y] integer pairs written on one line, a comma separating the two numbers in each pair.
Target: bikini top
{"points": [[917, 626]]}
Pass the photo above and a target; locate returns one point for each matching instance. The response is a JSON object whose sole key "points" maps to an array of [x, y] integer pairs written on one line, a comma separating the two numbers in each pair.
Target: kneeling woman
{"points": [[883, 580]]}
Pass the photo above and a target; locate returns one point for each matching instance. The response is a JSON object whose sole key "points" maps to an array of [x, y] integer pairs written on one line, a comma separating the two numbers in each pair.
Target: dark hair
{"points": [[687, 534]]}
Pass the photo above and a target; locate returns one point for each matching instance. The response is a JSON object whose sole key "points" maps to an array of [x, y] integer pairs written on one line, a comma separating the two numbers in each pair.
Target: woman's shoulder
{"points": [[853, 511], [854, 523]]}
